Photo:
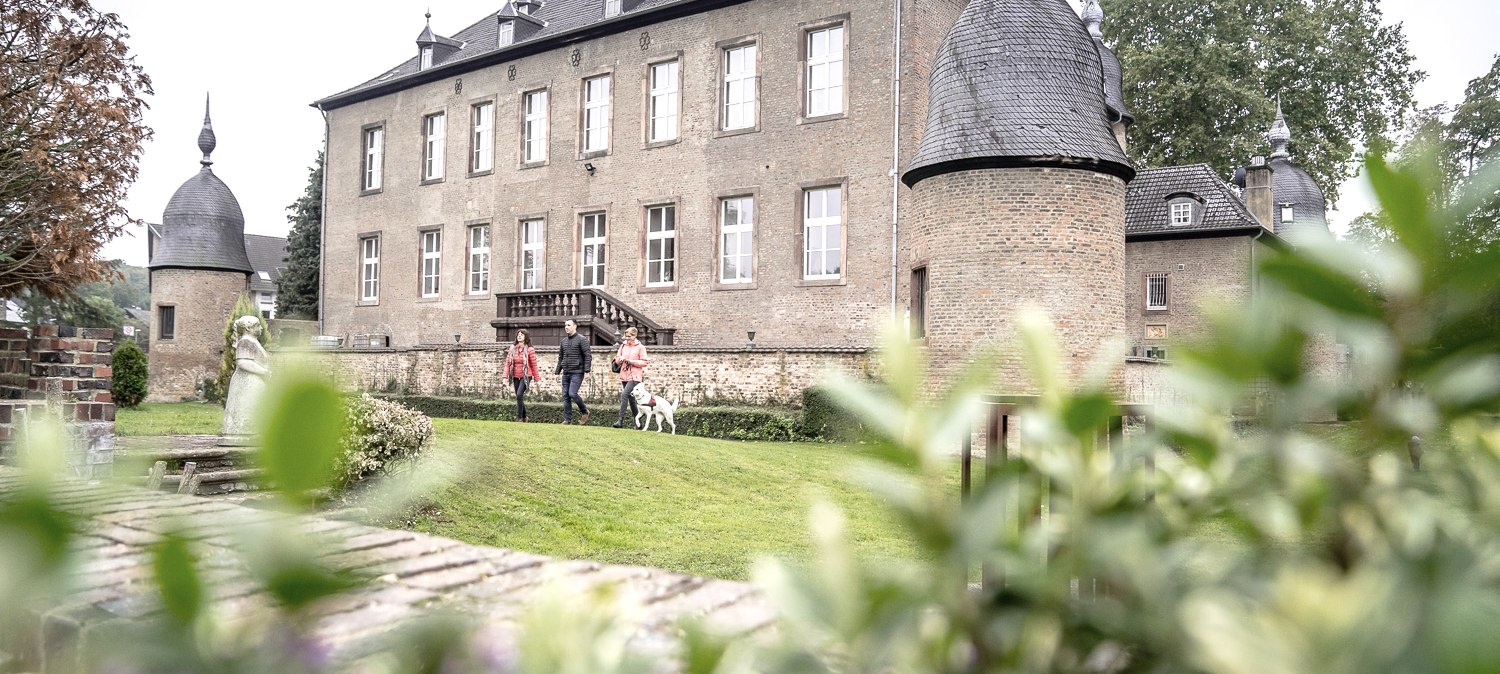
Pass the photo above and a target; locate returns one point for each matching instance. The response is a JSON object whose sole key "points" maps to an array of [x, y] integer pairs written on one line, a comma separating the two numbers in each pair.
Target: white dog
{"points": [[653, 407]]}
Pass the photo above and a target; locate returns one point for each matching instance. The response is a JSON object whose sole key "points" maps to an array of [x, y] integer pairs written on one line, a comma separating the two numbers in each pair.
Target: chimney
{"points": [[1258, 196]]}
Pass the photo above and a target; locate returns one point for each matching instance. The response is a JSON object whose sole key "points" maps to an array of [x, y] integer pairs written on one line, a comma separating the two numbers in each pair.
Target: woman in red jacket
{"points": [[520, 366]]}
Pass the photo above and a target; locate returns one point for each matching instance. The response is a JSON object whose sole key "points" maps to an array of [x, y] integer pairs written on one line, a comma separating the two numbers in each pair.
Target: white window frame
{"points": [[537, 247], [1158, 285], [596, 113], [613, 8], [369, 275], [743, 233], [591, 274], [479, 259], [482, 118], [664, 97], [1182, 214], [534, 127], [374, 140], [1288, 213], [425, 61], [507, 34], [831, 64], [658, 264], [434, 134], [830, 230], [739, 88], [432, 263], [266, 302]]}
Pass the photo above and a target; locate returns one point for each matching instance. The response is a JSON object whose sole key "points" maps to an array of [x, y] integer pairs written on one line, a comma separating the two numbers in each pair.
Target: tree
{"points": [[244, 306], [129, 385], [100, 304], [1476, 121], [70, 139], [1202, 78], [297, 289]]}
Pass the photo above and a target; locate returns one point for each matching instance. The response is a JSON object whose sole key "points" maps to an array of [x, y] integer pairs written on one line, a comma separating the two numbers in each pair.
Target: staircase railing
{"points": [[592, 306]]}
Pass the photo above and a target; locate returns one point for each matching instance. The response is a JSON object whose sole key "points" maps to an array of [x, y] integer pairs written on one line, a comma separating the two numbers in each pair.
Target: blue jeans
{"points": [[571, 381]]}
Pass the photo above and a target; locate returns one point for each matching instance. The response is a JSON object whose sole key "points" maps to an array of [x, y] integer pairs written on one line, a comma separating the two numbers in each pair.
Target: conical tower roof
{"points": [[1292, 186], [1017, 83], [203, 226]]}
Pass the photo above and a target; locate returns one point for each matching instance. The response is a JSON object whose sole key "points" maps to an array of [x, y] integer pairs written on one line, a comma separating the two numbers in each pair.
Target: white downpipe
{"points": [[323, 233], [896, 168]]}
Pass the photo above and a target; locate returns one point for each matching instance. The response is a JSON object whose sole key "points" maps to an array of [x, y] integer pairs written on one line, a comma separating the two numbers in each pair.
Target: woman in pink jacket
{"points": [[520, 367], [632, 360]]}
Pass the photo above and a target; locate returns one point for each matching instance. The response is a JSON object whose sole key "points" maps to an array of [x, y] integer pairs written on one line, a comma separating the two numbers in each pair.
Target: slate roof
{"points": [[1146, 211], [1292, 185], [481, 38], [267, 254], [202, 226], [1017, 83]]}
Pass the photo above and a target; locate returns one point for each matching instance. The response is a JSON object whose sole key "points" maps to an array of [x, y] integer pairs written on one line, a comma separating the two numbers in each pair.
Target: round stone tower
{"points": [[198, 269], [1300, 212], [1018, 190]]}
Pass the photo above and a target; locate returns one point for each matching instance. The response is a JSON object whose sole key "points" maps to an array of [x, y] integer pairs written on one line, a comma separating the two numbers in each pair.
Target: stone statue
{"points": [[248, 384]]}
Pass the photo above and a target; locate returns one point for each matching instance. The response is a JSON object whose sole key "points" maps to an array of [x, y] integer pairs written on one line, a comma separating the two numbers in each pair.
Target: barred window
{"points": [[533, 247], [1156, 292]]}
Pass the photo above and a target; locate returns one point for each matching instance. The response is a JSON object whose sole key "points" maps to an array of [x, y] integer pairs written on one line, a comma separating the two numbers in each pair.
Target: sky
{"points": [[265, 62]]}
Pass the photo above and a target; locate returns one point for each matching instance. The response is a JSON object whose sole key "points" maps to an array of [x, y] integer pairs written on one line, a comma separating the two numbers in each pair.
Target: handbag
{"points": [[614, 365]]}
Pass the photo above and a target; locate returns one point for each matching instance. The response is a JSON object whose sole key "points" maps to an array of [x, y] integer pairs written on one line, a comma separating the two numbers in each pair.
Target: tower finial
{"points": [[1093, 17], [206, 140], [1281, 134]]}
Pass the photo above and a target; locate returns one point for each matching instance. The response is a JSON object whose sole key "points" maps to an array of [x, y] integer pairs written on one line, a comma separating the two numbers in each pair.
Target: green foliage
{"points": [[380, 436], [129, 384], [1476, 121], [297, 288], [823, 417], [1202, 77], [243, 306], [729, 423], [100, 304], [305, 427]]}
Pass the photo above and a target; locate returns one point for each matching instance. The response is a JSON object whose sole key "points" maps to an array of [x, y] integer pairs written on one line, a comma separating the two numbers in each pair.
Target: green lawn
{"points": [[170, 419]]}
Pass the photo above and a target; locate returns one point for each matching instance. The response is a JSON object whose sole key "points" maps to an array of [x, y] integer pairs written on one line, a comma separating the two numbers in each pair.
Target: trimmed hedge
{"points": [[728, 423], [824, 419]]}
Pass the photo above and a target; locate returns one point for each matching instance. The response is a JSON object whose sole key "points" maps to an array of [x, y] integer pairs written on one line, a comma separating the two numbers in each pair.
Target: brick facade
{"points": [[202, 301], [66, 372], [996, 241], [1200, 273], [685, 374]]}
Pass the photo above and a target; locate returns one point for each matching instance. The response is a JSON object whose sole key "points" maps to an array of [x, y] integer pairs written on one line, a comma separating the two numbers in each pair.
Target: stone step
{"points": [[177, 457], [217, 482]]}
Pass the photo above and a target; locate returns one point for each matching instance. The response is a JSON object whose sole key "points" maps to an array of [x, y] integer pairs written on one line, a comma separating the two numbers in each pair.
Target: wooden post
{"points": [[158, 471], [187, 474]]}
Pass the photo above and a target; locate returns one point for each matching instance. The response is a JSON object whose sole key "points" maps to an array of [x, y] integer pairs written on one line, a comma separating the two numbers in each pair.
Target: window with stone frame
{"points": [[822, 233], [534, 127], [740, 66], [596, 113], [432, 261], [369, 269], [661, 246], [434, 132], [664, 102], [593, 236], [479, 259], [919, 302], [825, 71], [737, 240], [482, 138], [1157, 291], [166, 321], [533, 252], [374, 144]]}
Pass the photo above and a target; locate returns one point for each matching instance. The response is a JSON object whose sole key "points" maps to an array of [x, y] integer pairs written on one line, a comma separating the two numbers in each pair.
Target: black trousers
{"points": [[520, 385], [627, 400]]}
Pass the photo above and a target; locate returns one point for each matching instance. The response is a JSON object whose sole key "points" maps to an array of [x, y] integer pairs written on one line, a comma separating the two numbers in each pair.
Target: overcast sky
{"points": [[265, 61]]}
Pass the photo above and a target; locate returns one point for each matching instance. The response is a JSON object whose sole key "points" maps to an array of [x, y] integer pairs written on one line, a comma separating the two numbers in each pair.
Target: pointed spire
{"points": [[1093, 17], [206, 140], [427, 35], [1281, 134]]}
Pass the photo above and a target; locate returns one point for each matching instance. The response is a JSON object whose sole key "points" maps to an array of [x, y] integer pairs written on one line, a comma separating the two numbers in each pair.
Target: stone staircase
{"points": [[194, 465]]}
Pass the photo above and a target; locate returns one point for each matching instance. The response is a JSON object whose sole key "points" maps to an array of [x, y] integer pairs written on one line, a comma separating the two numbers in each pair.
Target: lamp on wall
{"points": [[589, 166], [456, 338], [751, 334]]}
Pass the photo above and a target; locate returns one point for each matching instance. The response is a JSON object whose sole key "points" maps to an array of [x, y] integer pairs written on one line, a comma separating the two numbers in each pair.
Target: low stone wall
{"points": [[67, 372], [690, 374]]}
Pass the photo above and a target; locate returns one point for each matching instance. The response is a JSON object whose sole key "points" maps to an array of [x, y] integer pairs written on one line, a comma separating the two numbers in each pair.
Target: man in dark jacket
{"points": [[574, 359]]}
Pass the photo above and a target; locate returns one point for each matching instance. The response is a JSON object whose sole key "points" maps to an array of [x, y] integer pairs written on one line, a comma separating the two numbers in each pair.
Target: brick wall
{"points": [[745, 375], [203, 300], [1201, 273], [66, 372]]}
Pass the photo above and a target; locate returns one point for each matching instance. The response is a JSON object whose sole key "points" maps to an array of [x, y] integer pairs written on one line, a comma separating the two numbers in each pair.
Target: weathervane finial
{"points": [[206, 140]]}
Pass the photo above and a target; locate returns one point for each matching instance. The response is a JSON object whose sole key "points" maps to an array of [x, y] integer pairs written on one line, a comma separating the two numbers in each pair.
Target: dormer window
{"points": [[1182, 213], [613, 7], [507, 33], [1286, 213], [426, 58], [1184, 209]]}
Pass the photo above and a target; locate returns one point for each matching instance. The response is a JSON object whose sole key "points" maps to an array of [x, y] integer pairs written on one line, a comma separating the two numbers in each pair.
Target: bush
{"points": [[129, 384], [727, 423], [823, 418], [381, 436]]}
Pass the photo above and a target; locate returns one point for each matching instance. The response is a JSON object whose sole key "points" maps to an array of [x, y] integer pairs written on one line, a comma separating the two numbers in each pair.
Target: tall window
{"points": [[1182, 213], [596, 114], [426, 59], [661, 246], [432, 259], [483, 140], [479, 259], [167, 319], [534, 133], [737, 229], [663, 102], [1156, 292], [822, 237], [919, 302], [267, 303], [434, 131], [593, 250], [369, 269], [374, 154], [739, 87], [507, 33], [825, 71], [613, 7], [533, 247]]}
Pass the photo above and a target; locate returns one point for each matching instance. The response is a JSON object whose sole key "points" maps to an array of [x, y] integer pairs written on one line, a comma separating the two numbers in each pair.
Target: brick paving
{"points": [[411, 574]]}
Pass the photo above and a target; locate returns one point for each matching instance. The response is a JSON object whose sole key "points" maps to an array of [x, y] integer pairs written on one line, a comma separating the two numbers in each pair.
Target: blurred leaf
{"points": [[1322, 285], [1404, 199], [177, 578], [304, 428]]}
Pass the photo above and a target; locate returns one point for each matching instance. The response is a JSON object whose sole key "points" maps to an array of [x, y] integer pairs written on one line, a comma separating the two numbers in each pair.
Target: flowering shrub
{"points": [[381, 434]]}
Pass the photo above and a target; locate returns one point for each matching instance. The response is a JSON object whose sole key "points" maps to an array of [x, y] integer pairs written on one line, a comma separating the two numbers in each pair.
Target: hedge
{"points": [[729, 423], [824, 419]]}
